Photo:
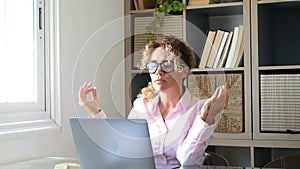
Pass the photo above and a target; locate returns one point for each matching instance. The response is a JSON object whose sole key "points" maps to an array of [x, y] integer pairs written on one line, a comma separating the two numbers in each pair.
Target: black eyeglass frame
{"points": [[163, 66]]}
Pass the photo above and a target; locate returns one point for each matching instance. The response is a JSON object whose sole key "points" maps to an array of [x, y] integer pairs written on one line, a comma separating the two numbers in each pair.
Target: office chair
{"points": [[290, 161], [215, 159]]}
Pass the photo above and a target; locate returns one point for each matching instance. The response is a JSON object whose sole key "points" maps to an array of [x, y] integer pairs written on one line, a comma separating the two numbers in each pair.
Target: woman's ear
{"points": [[185, 72]]}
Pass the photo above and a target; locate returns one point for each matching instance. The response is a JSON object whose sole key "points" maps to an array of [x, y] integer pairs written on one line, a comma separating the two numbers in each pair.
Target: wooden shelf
{"points": [[261, 54], [218, 9], [290, 67], [274, 1], [255, 143], [141, 11], [218, 69], [216, 5]]}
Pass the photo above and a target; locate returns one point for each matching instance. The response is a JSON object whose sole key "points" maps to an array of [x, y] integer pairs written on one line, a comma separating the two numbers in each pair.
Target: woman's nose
{"points": [[159, 71]]}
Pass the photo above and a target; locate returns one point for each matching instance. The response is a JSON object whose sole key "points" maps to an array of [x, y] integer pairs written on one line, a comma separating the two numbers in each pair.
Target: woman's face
{"points": [[161, 80]]}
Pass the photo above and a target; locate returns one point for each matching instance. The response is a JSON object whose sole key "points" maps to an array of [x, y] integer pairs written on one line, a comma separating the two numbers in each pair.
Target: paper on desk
{"points": [[67, 166]]}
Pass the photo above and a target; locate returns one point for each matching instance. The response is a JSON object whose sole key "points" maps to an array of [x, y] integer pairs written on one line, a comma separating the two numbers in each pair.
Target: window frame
{"points": [[30, 123]]}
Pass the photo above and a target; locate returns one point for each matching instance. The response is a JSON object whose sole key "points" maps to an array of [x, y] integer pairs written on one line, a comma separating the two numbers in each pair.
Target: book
{"points": [[232, 47], [220, 50], [145, 4], [136, 5], [238, 46], [214, 49], [207, 47], [199, 2], [240, 53], [224, 54], [141, 4]]}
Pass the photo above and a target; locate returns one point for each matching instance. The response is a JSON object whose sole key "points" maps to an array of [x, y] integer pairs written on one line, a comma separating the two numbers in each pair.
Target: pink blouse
{"points": [[182, 138]]}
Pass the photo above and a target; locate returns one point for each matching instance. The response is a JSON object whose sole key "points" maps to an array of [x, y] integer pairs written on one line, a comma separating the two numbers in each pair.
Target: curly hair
{"points": [[177, 50]]}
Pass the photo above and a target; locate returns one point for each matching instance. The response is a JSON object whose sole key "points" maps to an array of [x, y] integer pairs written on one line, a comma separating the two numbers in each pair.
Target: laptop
{"points": [[112, 143]]}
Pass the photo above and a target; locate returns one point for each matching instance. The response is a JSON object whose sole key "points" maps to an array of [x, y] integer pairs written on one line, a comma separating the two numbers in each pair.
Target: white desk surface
{"points": [[50, 162]]}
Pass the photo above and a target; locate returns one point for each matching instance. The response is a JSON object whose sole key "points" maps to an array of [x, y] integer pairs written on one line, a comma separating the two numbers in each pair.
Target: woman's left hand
{"points": [[215, 104]]}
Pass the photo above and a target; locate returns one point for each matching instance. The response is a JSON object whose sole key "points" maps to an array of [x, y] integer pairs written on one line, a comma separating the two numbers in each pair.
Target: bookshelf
{"points": [[275, 64], [246, 145], [278, 56]]}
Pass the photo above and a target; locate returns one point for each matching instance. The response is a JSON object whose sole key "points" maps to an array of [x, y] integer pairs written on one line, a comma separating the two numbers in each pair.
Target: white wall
{"points": [[91, 49]]}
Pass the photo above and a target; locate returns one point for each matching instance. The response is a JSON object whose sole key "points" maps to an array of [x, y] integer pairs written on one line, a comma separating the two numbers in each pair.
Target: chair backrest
{"points": [[215, 159], [291, 161]]}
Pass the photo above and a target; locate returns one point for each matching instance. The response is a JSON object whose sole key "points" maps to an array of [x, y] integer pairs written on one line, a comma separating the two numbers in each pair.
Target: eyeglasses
{"points": [[166, 65]]}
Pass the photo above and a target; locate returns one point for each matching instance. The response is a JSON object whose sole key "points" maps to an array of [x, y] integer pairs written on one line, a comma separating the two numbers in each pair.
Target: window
{"points": [[24, 68]]}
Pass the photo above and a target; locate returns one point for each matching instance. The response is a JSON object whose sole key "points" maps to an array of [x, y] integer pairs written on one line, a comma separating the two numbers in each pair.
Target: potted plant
{"points": [[163, 7]]}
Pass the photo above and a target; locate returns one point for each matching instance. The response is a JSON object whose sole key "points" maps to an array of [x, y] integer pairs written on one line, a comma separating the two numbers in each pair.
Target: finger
{"points": [[224, 98], [82, 94], [206, 107], [224, 92], [227, 99], [85, 89], [88, 88], [89, 85], [222, 88], [94, 94], [216, 94], [79, 94], [84, 85]]}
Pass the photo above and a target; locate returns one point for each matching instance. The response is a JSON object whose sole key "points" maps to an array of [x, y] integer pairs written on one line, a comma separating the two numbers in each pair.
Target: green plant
{"points": [[162, 8]]}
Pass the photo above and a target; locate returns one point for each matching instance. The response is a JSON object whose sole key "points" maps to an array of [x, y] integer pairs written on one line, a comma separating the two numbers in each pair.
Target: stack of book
{"points": [[199, 2], [223, 48]]}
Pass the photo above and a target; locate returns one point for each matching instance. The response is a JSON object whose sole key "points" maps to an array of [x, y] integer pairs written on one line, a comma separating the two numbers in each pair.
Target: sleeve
{"points": [[191, 151], [133, 114], [138, 110], [100, 115]]}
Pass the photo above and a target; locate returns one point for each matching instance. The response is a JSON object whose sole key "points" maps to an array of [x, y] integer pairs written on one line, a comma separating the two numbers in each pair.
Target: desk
{"points": [[42, 163], [50, 162]]}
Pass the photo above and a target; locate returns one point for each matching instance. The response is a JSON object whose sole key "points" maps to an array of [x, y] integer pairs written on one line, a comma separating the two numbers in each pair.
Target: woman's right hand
{"points": [[215, 104], [91, 106]]}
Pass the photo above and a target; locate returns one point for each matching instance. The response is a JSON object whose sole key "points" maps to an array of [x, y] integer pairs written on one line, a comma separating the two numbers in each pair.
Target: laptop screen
{"points": [[112, 143]]}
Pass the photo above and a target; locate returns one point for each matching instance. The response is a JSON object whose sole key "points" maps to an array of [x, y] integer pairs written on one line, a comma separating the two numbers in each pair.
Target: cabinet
{"points": [[223, 16], [270, 48], [275, 77], [276, 70]]}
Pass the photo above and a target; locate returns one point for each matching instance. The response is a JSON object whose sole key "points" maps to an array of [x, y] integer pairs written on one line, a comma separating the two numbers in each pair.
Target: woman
{"points": [[180, 125]]}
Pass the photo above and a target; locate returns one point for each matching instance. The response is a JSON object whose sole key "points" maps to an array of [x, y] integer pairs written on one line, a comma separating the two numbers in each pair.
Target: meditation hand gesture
{"points": [[215, 104], [91, 106]]}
